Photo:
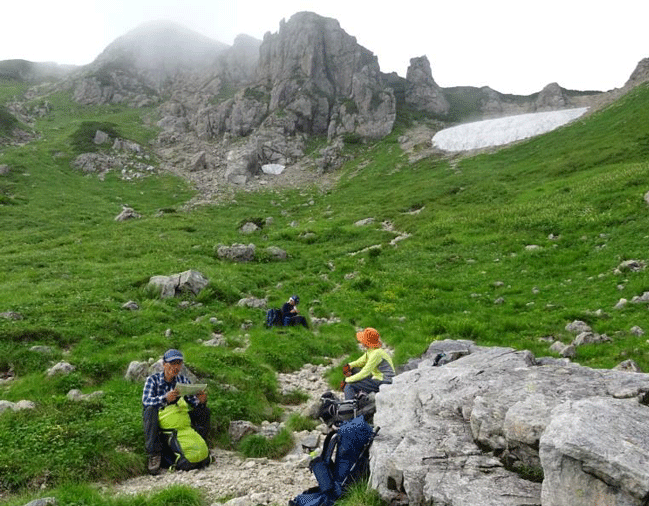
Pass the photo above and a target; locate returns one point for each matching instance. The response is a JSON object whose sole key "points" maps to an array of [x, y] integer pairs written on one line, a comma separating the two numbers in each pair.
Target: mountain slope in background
{"points": [[162, 46]]}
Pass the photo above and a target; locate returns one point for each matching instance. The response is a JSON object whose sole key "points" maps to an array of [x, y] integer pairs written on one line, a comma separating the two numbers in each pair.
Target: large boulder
{"points": [[16, 406], [237, 252], [137, 371], [60, 368], [594, 451], [468, 432], [140, 371], [177, 284], [242, 163]]}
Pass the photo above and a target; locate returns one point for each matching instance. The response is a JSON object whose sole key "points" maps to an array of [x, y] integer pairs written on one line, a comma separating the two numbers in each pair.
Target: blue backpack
{"points": [[343, 461], [273, 317]]}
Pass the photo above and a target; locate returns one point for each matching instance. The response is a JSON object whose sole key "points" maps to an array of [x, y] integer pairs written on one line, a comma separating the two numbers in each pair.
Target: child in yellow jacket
{"points": [[373, 369]]}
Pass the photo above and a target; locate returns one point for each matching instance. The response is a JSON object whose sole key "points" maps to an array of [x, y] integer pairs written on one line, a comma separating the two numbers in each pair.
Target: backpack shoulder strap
{"points": [[329, 445]]}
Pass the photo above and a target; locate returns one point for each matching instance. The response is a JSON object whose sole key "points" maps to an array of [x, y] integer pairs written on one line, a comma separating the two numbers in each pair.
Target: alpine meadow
{"points": [[504, 247]]}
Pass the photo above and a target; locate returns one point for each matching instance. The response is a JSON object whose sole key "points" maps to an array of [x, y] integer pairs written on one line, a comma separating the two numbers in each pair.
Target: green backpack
{"points": [[188, 449]]}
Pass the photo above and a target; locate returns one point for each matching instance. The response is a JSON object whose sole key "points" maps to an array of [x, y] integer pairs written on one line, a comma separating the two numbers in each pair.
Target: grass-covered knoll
{"points": [[461, 270]]}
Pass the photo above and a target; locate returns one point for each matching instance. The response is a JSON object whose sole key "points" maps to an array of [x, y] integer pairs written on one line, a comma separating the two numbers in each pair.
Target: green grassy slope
{"points": [[462, 271]]}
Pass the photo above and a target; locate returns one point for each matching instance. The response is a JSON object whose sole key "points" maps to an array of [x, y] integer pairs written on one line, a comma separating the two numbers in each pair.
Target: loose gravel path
{"points": [[237, 481]]}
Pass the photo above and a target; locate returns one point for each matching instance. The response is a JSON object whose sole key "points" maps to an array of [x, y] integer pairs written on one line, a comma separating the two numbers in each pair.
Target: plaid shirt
{"points": [[156, 389]]}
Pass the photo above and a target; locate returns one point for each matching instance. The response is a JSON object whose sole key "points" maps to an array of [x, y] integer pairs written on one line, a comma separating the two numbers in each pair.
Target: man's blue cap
{"points": [[171, 355]]}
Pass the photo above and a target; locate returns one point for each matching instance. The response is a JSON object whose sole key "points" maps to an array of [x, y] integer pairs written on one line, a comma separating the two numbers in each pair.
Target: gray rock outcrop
{"points": [[276, 253], [139, 371], [551, 98], [475, 430], [45, 501], [77, 396], [11, 315], [127, 213], [63, 368], [176, 284], [16, 406], [319, 73], [639, 75], [242, 163], [95, 163], [594, 451], [253, 302], [237, 252], [422, 92]]}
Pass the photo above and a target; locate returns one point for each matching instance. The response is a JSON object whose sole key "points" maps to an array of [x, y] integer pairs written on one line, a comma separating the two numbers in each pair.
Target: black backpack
{"points": [[273, 317], [334, 411]]}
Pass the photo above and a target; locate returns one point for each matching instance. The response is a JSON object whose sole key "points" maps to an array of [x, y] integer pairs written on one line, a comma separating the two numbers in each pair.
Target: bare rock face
{"points": [[238, 64], [473, 430], [640, 74], [177, 284], [593, 452], [315, 48], [551, 98], [257, 102], [491, 103], [318, 72], [422, 92], [113, 85], [372, 112]]}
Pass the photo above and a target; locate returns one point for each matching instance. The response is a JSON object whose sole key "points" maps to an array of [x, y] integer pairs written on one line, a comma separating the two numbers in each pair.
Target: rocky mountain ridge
{"points": [[225, 112]]}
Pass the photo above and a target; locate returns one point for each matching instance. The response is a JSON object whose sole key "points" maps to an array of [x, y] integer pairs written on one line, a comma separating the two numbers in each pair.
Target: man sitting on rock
{"points": [[160, 391]]}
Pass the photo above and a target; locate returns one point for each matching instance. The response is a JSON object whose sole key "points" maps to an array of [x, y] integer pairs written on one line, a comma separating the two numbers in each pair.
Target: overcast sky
{"points": [[513, 46]]}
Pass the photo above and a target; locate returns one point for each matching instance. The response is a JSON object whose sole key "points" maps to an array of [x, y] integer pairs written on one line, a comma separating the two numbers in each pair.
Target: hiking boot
{"points": [[154, 464]]}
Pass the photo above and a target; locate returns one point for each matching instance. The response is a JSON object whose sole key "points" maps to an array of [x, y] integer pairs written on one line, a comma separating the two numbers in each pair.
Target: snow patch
{"points": [[272, 168], [496, 132]]}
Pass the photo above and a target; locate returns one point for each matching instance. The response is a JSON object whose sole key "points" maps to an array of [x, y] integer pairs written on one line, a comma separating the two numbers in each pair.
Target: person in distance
{"points": [[290, 312]]}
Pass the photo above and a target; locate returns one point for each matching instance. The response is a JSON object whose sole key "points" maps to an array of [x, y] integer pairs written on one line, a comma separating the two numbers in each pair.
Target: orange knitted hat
{"points": [[369, 337]]}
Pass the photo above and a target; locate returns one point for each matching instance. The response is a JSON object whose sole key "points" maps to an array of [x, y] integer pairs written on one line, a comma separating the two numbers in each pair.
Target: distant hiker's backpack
{"points": [[273, 317], [343, 461], [185, 449], [334, 411]]}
